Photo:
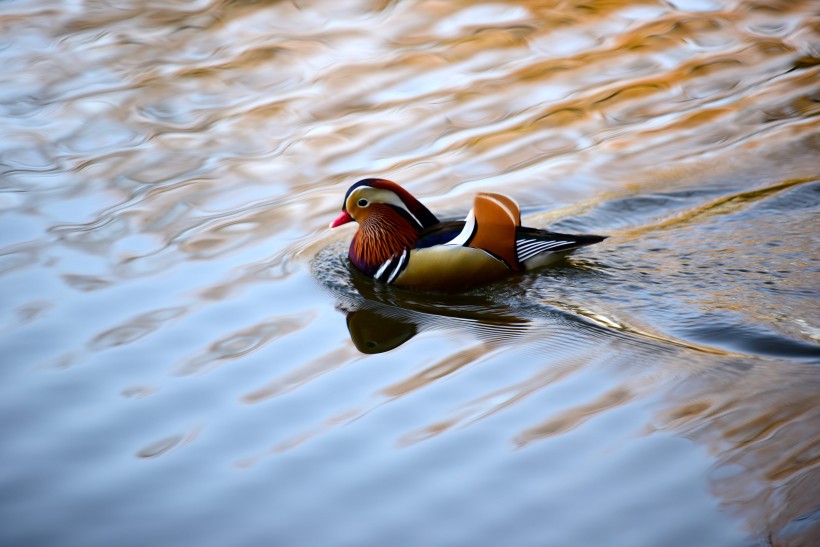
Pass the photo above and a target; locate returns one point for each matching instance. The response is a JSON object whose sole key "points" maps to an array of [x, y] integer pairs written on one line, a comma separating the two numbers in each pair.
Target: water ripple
{"points": [[241, 343]]}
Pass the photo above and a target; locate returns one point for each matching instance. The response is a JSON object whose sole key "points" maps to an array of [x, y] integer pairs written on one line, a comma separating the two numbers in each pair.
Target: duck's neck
{"points": [[378, 239]]}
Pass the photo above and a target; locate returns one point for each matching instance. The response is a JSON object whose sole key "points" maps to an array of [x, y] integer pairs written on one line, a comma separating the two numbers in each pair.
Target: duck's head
{"points": [[377, 200], [390, 221]]}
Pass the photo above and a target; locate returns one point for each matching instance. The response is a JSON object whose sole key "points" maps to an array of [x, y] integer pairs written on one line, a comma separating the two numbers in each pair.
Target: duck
{"points": [[400, 242]]}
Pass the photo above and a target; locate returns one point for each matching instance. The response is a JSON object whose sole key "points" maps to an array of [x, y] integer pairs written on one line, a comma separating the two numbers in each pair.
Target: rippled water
{"points": [[189, 359]]}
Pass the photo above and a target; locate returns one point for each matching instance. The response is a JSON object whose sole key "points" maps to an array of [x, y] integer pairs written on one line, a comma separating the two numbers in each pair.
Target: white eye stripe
{"points": [[401, 205], [380, 195]]}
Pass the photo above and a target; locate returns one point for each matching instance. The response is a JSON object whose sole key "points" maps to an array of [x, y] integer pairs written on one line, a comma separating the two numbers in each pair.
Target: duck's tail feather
{"points": [[530, 242]]}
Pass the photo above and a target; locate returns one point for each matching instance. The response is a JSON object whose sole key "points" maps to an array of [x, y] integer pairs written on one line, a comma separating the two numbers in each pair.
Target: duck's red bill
{"points": [[344, 218]]}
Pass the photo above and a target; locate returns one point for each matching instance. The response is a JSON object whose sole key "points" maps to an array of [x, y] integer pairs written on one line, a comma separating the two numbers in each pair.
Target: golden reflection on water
{"points": [[168, 172]]}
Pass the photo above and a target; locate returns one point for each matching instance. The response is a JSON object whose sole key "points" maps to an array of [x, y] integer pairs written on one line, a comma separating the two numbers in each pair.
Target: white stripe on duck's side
{"points": [[390, 270], [402, 264], [467, 233]]}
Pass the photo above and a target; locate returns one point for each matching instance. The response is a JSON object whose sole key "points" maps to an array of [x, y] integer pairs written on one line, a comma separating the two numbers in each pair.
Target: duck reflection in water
{"points": [[374, 331], [381, 318]]}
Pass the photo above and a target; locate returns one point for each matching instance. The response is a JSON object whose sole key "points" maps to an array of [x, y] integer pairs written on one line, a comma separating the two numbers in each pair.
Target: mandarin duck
{"points": [[400, 242]]}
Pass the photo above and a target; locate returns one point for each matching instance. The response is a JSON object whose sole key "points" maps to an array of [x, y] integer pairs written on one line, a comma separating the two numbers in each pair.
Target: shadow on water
{"points": [[380, 318]]}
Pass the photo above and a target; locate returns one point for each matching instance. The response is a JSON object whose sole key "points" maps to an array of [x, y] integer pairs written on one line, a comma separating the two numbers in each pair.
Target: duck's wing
{"points": [[440, 233], [491, 227]]}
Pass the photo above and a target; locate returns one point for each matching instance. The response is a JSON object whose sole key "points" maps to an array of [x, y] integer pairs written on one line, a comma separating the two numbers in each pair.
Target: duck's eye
{"points": [[362, 203]]}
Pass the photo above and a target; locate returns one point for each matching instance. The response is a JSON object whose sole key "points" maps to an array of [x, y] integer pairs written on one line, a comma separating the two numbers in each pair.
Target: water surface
{"points": [[189, 359]]}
